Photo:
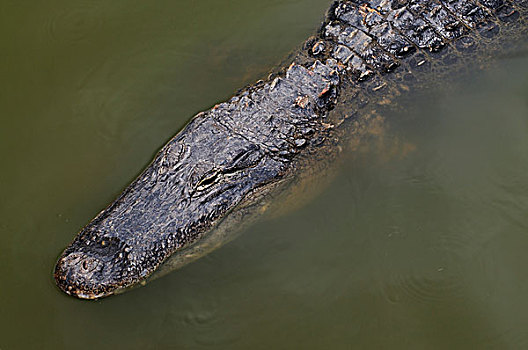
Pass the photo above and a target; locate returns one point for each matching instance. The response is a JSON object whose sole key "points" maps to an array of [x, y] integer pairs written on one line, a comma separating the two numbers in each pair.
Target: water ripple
{"points": [[73, 25], [434, 288]]}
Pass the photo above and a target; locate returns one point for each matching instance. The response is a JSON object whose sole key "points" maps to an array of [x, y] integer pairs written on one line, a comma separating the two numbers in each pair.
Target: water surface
{"points": [[409, 251]]}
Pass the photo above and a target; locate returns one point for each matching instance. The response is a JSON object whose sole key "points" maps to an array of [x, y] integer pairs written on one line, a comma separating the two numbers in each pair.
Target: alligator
{"points": [[226, 166]]}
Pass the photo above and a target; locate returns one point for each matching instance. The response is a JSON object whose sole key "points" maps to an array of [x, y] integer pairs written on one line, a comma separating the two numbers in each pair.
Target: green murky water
{"points": [[425, 251]]}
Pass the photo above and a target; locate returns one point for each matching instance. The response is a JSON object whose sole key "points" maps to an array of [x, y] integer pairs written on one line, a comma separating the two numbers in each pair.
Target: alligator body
{"points": [[229, 162]]}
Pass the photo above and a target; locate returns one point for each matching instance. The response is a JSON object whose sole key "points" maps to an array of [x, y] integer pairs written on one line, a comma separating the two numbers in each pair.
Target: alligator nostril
{"points": [[88, 265]]}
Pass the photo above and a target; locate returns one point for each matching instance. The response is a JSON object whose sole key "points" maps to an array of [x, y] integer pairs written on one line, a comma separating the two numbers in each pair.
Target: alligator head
{"points": [[194, 181]]}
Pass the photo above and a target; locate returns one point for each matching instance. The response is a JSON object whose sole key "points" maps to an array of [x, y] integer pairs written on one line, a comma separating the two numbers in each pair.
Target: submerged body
{"points": [[227, 163]]}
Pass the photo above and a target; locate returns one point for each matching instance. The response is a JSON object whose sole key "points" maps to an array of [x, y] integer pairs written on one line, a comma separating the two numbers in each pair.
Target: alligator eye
{"points": [[207, 181]]}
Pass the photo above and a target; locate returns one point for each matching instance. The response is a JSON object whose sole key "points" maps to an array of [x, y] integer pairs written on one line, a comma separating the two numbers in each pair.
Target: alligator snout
{"points": [[74, 273]]}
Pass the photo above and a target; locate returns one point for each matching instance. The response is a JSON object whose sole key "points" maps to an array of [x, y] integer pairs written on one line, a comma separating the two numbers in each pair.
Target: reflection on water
{"points": [[425, 249]]}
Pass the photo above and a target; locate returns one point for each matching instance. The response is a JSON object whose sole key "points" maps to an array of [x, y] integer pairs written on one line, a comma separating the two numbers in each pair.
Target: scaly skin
{"points": [[229, 159]]}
